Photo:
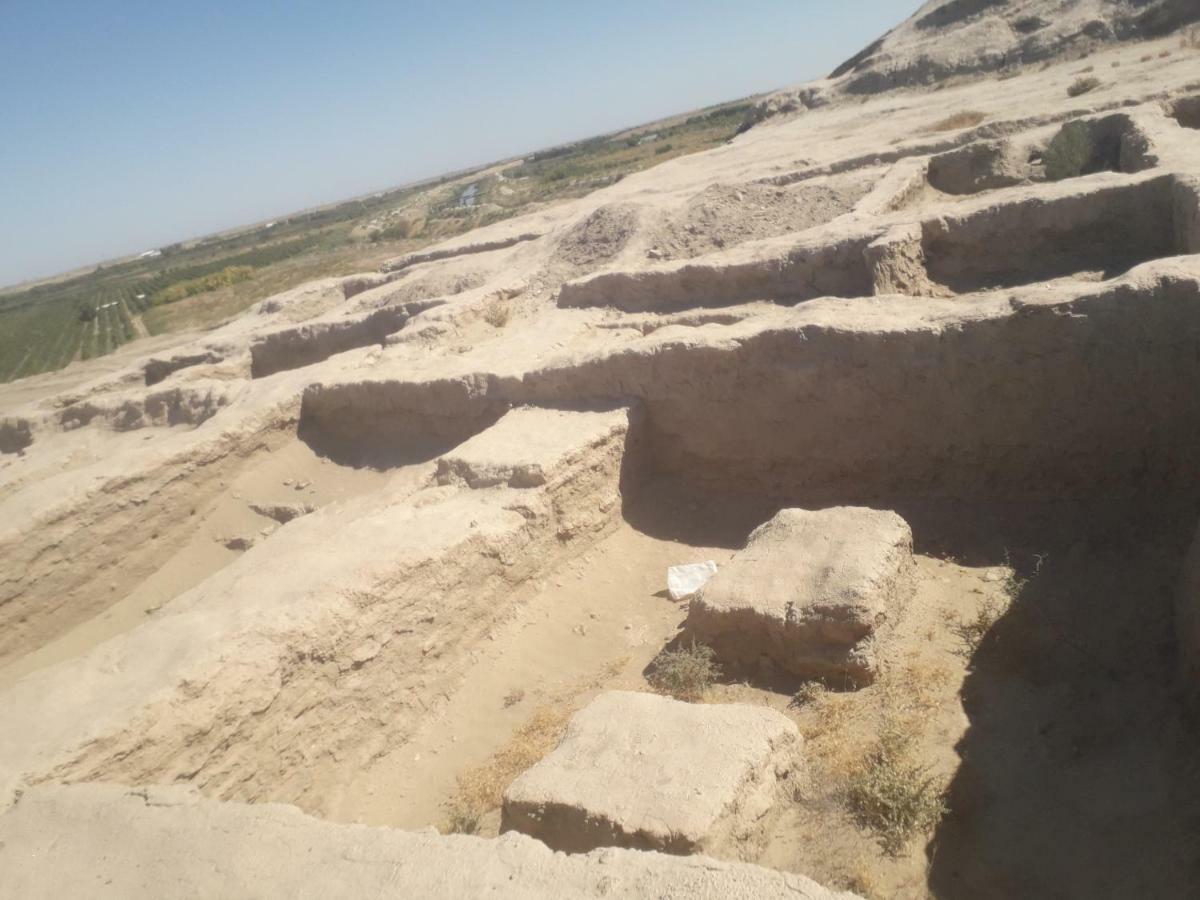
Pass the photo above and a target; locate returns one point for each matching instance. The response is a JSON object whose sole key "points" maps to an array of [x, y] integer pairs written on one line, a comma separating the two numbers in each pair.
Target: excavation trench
{"points": [[373, 628], [1088, 395], [312, 343], [1107, 230], [966, 422], [119, 548], [1095, 232], [1113, 143], [1061, 437]]}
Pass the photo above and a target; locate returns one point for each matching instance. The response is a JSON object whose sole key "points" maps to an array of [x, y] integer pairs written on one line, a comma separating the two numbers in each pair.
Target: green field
{"points": [[201, 283]]}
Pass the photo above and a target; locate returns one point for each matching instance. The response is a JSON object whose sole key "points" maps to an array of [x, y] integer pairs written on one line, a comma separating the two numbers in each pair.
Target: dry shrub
{"points": [[482, 789], [685, 674], [1147, 58], [497, 313], [810, 693], [894, 796], [972, 631], [965, 119], [1082, 86]]}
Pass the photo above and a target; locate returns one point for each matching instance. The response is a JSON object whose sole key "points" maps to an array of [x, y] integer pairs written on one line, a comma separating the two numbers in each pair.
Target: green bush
{"points": [[202, 285], [893, 796], [685, 674]]}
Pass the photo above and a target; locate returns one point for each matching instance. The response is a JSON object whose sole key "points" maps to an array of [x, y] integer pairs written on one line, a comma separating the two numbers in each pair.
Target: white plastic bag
{"points": [[684, 581]]}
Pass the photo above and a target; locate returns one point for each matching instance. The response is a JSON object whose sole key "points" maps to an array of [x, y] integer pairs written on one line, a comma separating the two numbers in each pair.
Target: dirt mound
{"points": [[726, 215], [597, 238], [959, 37], [951, 38]]}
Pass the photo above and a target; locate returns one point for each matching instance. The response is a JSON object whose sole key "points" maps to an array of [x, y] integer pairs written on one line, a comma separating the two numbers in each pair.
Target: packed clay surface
{"points": [[910, 360], [107, 841]]}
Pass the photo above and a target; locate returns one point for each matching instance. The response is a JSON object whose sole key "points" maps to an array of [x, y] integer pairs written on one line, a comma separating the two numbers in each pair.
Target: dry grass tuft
{"points": [[1082, 86], [918, 687], [685, 674], [965, 119], [482, 789], [894, 796]]}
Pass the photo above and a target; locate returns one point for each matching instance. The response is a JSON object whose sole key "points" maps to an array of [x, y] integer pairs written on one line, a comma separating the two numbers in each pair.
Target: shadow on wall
{"points": [[1078, 773], [1078, 776], [384, 425]]}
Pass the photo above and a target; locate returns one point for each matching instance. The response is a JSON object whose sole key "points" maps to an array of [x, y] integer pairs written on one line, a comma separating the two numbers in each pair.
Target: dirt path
{"points": [[600, 619], [139, 327]]}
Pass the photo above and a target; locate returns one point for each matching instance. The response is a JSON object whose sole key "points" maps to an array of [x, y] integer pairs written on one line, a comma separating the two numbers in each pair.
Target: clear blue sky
{"points": [[129, 124]]}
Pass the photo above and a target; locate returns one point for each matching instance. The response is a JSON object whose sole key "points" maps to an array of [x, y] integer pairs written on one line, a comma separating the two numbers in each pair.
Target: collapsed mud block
{"points": [[651, 773], [107, 841], [812, 593], [530, 446]]}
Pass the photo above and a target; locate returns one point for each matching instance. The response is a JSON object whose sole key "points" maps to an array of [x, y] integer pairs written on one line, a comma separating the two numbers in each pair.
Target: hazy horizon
{"points": [[143, 125]]}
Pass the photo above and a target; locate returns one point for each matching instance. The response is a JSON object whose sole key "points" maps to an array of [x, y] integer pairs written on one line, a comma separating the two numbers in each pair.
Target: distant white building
{"points": [[150, 254]]}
